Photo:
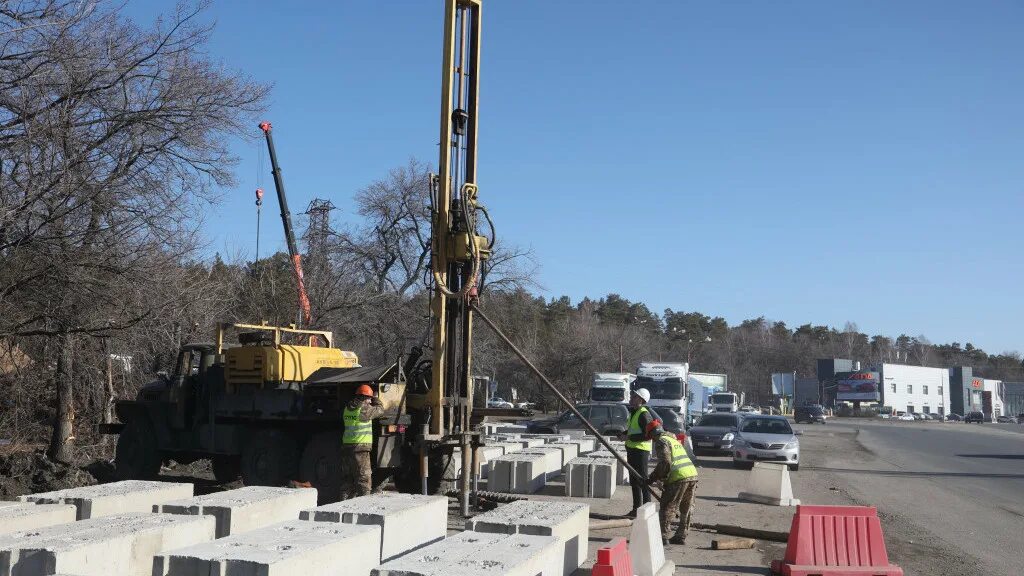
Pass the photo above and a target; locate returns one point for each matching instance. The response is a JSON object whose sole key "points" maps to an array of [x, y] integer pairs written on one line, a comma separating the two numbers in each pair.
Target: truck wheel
{"points": [[321, 465], [137, 456], [226, 468], [269, 458]]}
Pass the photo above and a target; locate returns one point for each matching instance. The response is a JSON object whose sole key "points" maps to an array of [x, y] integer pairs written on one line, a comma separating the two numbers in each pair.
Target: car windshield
{"points": [[669, 389], [718, 420], [722, 398], [606, 394], [766, 426]]}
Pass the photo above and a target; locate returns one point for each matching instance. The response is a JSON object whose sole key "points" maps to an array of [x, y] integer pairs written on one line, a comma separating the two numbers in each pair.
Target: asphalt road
{"points": [[951, 494]]}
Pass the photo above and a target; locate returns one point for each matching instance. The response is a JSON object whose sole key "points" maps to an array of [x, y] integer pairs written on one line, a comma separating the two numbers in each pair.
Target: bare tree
{"points": [[113, 137]]}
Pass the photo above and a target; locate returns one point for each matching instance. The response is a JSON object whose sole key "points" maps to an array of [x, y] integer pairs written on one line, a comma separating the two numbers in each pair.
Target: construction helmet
{"points": [[643, 394], [654, 429], [364, 390]]}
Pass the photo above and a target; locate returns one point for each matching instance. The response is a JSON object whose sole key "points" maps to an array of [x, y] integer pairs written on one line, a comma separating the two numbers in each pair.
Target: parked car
{"points": [[671, 421], [974, 417], [936, 417], [809, 414], [610, 419], [750, 410], [499, 403], [954, 418], [1005, 420], [714, 433], [766, 438], [905, 417], [917, 416]]}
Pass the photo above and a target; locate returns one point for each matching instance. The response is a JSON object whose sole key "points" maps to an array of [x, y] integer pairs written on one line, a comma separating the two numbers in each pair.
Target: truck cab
{"points": [[611, 387]]}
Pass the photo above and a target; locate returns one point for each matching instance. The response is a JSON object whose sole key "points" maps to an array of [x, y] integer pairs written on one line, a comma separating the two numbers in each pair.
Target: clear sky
{"points": [[807, 161]]}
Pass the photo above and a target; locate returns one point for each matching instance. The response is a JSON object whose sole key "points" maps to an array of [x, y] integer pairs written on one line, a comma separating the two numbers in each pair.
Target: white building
{"points": [[914, 388]]}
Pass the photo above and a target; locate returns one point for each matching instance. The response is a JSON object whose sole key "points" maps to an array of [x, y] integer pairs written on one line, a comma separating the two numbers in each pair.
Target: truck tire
{"points": [[321, 465], [226, 468], [137, 456], [269, 458]]}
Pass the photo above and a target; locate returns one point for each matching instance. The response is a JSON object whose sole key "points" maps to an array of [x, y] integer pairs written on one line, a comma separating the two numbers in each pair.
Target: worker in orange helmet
{"points": [[357, 441]]}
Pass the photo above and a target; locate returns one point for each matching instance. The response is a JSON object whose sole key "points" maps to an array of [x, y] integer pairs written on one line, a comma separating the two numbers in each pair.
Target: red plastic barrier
{"points": [[836, 541], [613, 560]]}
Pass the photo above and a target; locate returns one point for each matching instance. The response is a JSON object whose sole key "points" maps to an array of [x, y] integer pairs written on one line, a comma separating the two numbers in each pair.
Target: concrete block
{"points": [[567, 521], [507, 446], [247, 508], [621, 473], [552, 459], [587, 477], [589, 444], [294, 547], [768, 483], [518, 473], [569, 450], [488, 453], [121, 544], [407, 521], [579, 433], [547, 438], [476, 553], [18, 516], [510, 429], [114, 498], [645, 547]]}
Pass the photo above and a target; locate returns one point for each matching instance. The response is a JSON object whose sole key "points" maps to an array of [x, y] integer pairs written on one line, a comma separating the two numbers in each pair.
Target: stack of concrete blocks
{"points": [[245, 509], [119, 544], [18, 516], [589, 477], [569, 522], [476, 553], [114, 498], [621, 473], [552, 459], [295, 547], [518, 473], [406, 521]]}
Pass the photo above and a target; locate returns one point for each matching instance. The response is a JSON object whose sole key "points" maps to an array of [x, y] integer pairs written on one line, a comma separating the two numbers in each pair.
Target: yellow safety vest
{"points": [[634, 428], [356, 431], [682, 467]]}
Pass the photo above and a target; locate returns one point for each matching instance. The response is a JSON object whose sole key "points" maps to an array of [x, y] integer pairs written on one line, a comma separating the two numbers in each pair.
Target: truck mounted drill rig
{"points": [[269, 407]]}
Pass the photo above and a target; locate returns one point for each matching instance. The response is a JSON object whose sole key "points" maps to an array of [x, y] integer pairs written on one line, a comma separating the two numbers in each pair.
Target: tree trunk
{"points": [[63, 426]]}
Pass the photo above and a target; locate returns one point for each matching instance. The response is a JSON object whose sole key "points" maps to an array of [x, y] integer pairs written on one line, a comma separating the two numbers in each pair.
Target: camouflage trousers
{"points": [[677, 500], [356, 472]]}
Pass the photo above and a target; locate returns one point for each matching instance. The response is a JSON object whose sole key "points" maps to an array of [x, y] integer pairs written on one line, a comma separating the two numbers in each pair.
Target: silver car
{"points": [[766, 439]]}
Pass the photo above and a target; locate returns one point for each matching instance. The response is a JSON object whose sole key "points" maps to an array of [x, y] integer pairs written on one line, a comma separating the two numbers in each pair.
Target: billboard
{"points": [[859, 386]]}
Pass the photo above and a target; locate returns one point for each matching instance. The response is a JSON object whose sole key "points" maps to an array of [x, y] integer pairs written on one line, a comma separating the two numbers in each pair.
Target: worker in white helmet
{"points": [[638, 446]]}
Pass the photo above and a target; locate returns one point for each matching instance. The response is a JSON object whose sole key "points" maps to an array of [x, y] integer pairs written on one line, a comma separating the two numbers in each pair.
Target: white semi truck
{"points": [[667, 383], [727, 401], [611, 387]]}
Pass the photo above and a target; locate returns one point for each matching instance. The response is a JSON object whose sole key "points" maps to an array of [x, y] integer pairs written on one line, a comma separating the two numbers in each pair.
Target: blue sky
{"points": [[806, 161]]}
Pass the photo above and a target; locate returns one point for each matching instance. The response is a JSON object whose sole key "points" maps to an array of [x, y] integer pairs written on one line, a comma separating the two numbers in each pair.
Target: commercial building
{"points": [[1013, 398], [921, 389]]}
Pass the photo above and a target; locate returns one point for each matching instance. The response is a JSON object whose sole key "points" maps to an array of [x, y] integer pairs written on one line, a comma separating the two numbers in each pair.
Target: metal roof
{"points": [[348, 375]]}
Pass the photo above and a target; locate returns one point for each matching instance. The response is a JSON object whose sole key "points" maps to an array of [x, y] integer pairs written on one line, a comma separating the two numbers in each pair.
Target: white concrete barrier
{"points": [[488, 453], [476, 553], [247, 508], [407, 521], [569, 450], [768, 483], [518, 473], [121, 545], [548, 438], [621, 473], [290, 548], [645, 546], [114, 498], [567, 521], [18, 516]]}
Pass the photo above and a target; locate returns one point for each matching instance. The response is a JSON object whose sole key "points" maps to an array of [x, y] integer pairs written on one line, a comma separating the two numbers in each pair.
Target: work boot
{"points": [[678, 540]]}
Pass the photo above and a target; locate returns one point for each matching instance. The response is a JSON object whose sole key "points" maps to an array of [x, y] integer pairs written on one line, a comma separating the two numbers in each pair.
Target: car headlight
{"points": [[793, 444], [728, 436]]}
